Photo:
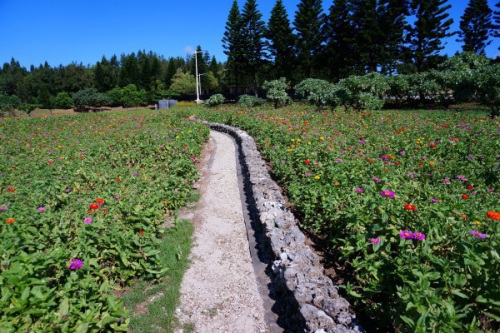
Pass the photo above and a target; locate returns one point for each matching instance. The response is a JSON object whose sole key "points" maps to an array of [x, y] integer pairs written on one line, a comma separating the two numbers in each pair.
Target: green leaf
{"points": [[459, 293], [82, 328], [64, 307], [408, 321]]}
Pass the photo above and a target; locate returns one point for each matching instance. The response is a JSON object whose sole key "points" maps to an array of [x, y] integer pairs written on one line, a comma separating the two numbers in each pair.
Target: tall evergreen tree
{"points": [[425, 37], [129, 72], [496, 19], [476, 27], [280, 41], [308, 22], [338, 32], [253, 29], [232, 42]]}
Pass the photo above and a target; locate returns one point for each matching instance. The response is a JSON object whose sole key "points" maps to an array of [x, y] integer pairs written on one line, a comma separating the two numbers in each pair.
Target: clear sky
{"points": [[65, 31]]}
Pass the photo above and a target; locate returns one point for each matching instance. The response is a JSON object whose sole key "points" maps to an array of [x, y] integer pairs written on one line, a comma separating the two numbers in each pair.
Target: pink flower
{"points": [[375, 241], [42, 209], [477, 234], [387, 194], [419, 235], [359, 190], [87, 220], [405, 234], [76, 264]]}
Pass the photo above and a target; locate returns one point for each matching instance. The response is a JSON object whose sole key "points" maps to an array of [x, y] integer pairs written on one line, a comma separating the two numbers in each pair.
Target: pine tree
{"points": [[308, 22], [280, 41], [476, 27], [253, 29], [338, 32], [425, 37], [496, 19], [232, 42]]}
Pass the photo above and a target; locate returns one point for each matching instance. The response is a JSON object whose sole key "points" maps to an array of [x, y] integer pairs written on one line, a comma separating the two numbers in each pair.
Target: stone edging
{"points": [[297, 273]]}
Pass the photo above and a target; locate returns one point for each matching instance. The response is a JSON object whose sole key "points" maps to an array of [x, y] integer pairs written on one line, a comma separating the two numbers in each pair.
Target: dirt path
{"points": [[219, 290]]}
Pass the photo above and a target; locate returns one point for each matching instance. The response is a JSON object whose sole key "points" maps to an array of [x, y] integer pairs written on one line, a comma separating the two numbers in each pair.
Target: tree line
{"points": [[134, 79], [354, 37]]}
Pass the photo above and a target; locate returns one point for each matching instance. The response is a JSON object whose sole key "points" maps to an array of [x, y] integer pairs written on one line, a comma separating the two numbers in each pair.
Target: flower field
{"points": [[82, 201], [407, 202]]}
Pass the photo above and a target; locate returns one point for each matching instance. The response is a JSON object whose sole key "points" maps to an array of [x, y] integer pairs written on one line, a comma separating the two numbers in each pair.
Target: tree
{"points": [[129, 72], [183, 83], [280, 41], [476, 26], [308, 24], [63, 101], [89, 99], [45, 99], [252, 29], [338, 33], [232, 42], [496, 19], [425, 37]]}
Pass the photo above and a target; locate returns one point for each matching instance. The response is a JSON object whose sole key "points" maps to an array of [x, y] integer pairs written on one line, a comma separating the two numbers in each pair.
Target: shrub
{"points": [[318, 92], [276, 92], [360, 92], [63, 101], [89, 99], [248, 101], [215, 100], [28, 108]]}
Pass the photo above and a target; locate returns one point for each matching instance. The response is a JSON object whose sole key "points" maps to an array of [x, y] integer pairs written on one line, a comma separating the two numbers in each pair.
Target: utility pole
{"points": [[197, 77]]}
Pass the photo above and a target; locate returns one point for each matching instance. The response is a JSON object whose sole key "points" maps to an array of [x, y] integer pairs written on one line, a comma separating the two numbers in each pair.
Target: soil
{"points": [[220, 292]]}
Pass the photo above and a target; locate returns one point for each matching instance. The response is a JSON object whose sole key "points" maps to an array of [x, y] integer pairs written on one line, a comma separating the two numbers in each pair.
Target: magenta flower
{"points": [[419, 236], [462, 178], [42, 209], [402, 152], [405, 234], [433, 200], [359, 190], [76, 264], [477, 234], [446, 180], [375, 241], [387, 194], [87, 220], [375, 179], [3, 208]]}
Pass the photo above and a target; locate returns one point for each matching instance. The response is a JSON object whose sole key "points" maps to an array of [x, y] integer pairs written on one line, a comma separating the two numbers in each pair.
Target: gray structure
{"points": [[166, 103]]}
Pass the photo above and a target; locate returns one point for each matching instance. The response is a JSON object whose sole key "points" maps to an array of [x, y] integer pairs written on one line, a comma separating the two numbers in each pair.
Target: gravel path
{"points": [[219, 292]]}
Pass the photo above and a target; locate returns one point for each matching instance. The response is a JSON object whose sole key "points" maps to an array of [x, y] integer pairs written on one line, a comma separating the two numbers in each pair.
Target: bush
{"points": [[248, 101], [362, 92], [276, 92], [63, 101], [89, 99], [318, 92], [28, 108], [215, 100]]}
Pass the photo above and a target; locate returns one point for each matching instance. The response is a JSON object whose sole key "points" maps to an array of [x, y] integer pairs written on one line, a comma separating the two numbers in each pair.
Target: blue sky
{"points": [[65, 31]]}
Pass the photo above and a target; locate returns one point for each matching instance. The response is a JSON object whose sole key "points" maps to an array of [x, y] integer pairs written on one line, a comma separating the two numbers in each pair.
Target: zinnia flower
{"points": [[465, 196], [307, 162], [3, 208], [375, 240], [10, 220], [446, 180], [405, 234], [87, 220], [359, 190], [433, 200], [42, 209], [141, 232], [462, 178], [375, 179], [410, 207], [387, 194], [477, 234], [419, 235], [93, 206], [99, 201], [495, 216], [76, 264], [117, 179]]}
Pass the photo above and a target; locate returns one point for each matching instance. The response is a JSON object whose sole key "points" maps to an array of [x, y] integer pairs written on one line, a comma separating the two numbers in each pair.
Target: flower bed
{"points": [[406, 201], [82, 200]]}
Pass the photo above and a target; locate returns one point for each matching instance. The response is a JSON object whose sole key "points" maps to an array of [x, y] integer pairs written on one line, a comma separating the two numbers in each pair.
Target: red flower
{"points": [[495, 216], [141, 232], [410, 207], [118, 179], [94, 206], [11, 190], [465, 196], [307, 162], [10, 220], [469, 187], [433, 145], [99, 201]]}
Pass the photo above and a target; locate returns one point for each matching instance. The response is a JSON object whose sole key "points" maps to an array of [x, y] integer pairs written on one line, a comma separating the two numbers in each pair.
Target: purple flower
{"points": [[419, 236], [477, 234], [307, 173], [359, 190], [411, 174], [42, 209], [375, 179], [87, 220], [3, 208], [385, 157], [362, 141], [491, 190], [462, 178], [402, 152], [446, 180], [134, 173], [387, 194], [433, 200], [117, 197], [339, 160], [375, 241], [405, 234], [76, 264]]}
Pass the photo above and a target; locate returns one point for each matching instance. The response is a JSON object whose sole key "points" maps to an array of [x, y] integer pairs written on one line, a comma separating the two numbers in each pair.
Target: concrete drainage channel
{"points": [[305, 299]]}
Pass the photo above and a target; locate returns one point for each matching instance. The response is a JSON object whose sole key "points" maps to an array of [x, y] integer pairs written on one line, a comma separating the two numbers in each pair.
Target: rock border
{"points": [[308, 298]]}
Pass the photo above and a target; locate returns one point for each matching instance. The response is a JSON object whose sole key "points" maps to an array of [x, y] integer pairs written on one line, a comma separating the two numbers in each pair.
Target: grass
{"points": [[157, 302]]}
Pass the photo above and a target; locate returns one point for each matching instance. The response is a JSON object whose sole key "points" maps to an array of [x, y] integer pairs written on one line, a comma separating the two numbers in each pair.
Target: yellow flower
{"points": [[317, 177], [477, 223], [432, 163], [289, 150]]}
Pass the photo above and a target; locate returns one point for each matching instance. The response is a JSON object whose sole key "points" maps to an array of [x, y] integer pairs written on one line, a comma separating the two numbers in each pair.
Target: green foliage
{"points": [[276, 92], [9, 103], [102, 199], [362, 92], [45, 99], [249, 102], [215, 100], [63, 101], [89, 99], [183, 83], [318, 92], [476, 26], [442, 168], [28, 108], [486, 82]]}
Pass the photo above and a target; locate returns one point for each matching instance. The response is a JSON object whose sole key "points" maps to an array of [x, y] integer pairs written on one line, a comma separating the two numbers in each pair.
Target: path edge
{"points": [[308, 295]]}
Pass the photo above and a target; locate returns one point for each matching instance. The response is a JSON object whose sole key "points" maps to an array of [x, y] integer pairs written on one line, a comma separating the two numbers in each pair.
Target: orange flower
{"points": [[336, 182], [495, 216], [99, 201], [118, 179], [11, 190], [10, 220], [94, 206], [410, 207], [141, 232]]}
